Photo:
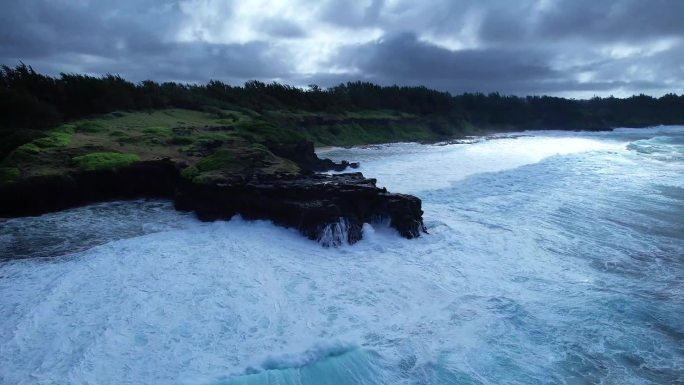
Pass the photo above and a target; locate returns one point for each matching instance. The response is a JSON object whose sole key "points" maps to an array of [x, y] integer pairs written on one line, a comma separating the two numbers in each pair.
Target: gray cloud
{"points": [[128, 39], [351, 14], [282, 28], [564, 47], [405, 59], [41, 28], [627, 20]]}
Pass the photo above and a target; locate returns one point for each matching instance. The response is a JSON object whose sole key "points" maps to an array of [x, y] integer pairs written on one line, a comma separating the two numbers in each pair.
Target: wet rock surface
{"points": [[329, 208], [304, 155]]}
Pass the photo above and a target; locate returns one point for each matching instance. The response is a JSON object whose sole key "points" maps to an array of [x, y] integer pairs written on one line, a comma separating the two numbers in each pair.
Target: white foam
{"points": [[335, 234], [552, 271], [412, 167]]}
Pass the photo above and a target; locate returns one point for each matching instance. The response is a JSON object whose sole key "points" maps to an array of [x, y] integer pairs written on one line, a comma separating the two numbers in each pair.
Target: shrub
{"points": [[24, 152], [29, 148], [8, 174], [190, 172], [105, 160], [219, 160], [54, 139]]}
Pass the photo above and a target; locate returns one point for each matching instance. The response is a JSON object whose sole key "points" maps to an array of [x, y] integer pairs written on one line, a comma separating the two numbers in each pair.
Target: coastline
{"points": [[483, 134], [222, 172], [330, 209]]}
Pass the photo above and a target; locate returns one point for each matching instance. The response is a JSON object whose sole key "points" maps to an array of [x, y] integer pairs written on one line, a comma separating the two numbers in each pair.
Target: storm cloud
{"points": [[577, 48]]}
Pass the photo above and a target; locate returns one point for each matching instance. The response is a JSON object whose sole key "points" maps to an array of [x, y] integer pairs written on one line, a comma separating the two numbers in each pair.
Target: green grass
{"points": [[8, 174], [349, 134], [59, 137], [222, 136], [378, 114], [190, 173], [259, 147], [11, 139], [215, 143], [291, 114], [28, 148], [236, 159], [104, 160], [226, 116], [363, 114], [129, 131], [281, 166], [157, 131], [352, 128], [221, 159], [252, 158], [167, 118], [256, 131], [24, 153], [138, 132]]}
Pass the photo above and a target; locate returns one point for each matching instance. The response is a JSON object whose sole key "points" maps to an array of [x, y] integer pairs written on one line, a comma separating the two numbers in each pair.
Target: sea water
{"points": [[551, 258]]}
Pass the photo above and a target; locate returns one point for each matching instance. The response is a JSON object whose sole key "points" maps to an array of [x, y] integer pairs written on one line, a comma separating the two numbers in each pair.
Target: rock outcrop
{"points": [[41, 194], [304, 155], [327, 208]]}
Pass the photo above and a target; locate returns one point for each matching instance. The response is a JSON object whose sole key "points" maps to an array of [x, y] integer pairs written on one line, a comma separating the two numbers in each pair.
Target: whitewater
{"points": [[551, 258]]}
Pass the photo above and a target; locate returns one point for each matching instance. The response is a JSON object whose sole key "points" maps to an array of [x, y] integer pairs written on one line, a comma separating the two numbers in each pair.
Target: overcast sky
{"points": [[576, 48]]}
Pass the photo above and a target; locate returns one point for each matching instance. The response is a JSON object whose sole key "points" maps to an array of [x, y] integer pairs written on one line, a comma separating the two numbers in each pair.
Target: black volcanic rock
{"points": [[41, 194], [328, 208], [304, 155]]}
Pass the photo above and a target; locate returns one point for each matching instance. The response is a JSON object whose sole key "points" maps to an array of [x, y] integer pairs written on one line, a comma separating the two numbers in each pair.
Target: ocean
{"points": [[552, 258]]}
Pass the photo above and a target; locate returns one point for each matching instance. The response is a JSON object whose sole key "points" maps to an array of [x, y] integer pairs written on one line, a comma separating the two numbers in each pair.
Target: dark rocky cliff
{"points": [[328, 208]]}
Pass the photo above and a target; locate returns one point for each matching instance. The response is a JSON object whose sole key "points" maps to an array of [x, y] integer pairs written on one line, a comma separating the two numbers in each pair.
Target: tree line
{"points": [[33, 101]]}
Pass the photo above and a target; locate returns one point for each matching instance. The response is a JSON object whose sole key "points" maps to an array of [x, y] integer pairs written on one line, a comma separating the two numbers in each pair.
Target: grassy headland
{"points": [[55, 126], [211, 144]]}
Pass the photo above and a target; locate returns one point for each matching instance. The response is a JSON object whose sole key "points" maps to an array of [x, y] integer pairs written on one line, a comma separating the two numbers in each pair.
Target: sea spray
{"points": [[552, 258], [335, 234]]}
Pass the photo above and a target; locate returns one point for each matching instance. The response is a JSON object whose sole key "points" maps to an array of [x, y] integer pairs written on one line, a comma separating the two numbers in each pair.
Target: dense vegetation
{"points": [[31, 102], [205, 146]]}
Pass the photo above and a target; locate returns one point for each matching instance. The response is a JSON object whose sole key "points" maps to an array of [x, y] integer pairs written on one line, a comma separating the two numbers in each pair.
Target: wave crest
{"points": [[663, 148]]}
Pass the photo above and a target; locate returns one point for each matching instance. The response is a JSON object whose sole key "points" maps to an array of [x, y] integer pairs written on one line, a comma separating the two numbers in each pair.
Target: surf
{"points": [[552, 257]]}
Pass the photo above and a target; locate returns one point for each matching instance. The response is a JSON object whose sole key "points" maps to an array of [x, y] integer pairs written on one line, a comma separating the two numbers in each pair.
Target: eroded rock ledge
{"points": [[328, 208]]}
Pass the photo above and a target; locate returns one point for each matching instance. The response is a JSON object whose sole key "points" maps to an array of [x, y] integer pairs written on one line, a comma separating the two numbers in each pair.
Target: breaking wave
{"points": [[552, 258], [665, 148], [335, 234]]}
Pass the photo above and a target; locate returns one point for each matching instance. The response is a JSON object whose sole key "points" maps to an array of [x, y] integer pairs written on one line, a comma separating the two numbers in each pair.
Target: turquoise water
{"points": [[552, 258]]}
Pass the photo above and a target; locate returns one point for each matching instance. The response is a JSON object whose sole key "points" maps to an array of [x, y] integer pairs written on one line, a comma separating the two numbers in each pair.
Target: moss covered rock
{"points": [[104, 160]]}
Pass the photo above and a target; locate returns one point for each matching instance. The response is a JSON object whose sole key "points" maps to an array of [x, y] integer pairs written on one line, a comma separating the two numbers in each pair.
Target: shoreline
{"points": [[330, 209], [482, 135]]}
